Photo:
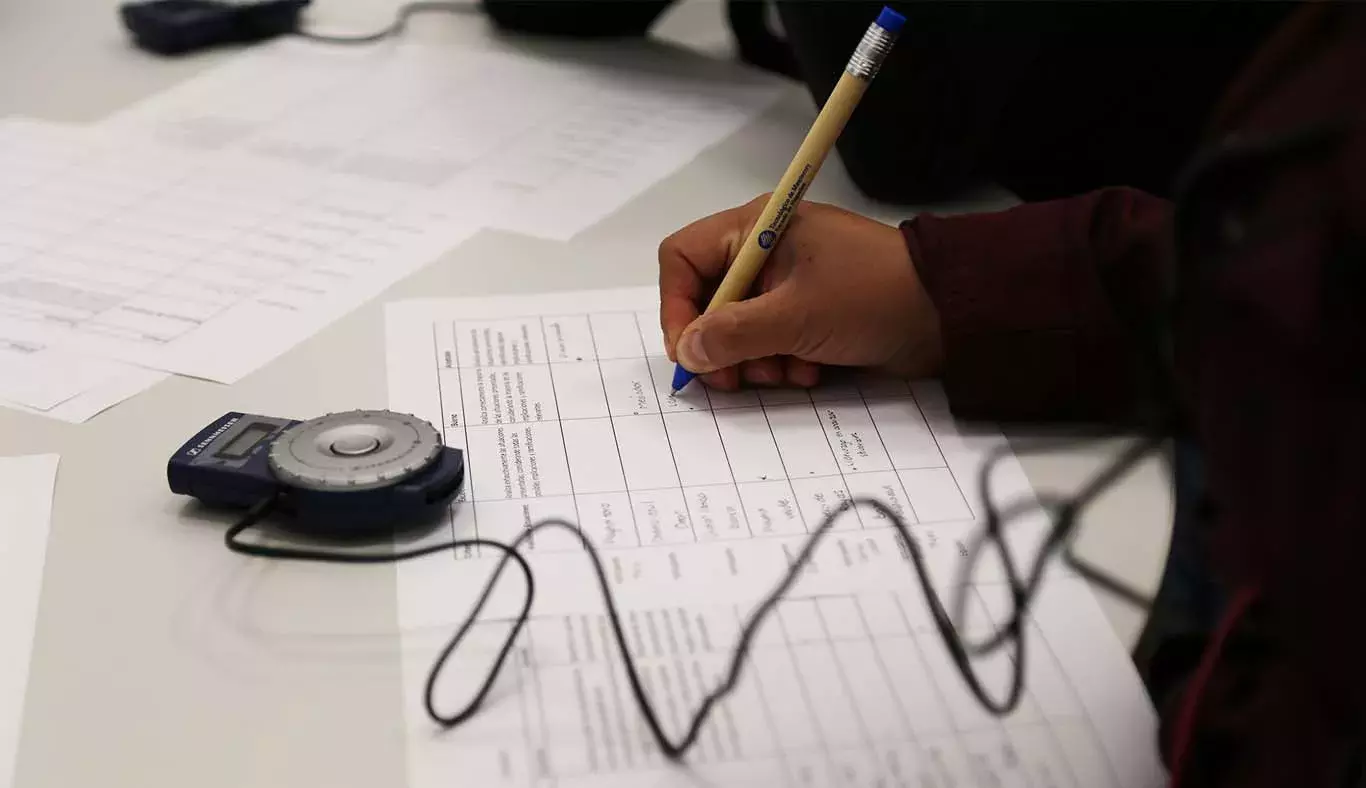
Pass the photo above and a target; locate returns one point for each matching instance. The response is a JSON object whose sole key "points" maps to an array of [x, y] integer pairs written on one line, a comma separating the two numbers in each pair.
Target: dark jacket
{"points": [[1253, 285], [1048, 98]]}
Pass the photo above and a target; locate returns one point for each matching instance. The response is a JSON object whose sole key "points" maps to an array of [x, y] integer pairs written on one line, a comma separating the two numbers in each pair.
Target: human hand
{"points": [[839, 289]]}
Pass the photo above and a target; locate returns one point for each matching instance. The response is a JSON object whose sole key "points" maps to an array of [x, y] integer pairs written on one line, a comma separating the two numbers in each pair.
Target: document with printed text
{"points": [[698, 503], [211, 227], [65, 386], [540, 146], [203, 264]]}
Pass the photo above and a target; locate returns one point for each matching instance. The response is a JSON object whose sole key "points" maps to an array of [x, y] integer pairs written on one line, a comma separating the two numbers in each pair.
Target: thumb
{"points": [[755, 328]]}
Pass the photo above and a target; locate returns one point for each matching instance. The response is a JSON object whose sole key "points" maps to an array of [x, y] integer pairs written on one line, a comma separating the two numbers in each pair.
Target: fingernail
{"points": [[691, 354]]}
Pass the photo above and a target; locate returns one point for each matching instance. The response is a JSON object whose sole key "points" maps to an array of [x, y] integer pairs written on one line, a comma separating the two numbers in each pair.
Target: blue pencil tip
{"points": [[682, 377], [890, 20]]}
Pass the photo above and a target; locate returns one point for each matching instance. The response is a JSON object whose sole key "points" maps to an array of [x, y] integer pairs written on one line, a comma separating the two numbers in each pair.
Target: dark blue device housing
{"points": [[225, 465]]}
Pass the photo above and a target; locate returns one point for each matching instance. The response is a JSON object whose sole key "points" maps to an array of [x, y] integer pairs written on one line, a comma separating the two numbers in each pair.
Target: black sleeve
{"points": [[576, 18], [756, 43], [1046, 97], [923, 128]]}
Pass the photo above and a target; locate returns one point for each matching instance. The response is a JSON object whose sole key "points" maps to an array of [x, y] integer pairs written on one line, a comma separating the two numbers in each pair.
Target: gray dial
{"points": [[355, 450]]}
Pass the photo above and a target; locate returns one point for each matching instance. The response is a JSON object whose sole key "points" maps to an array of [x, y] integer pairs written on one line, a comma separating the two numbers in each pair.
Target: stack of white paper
{"points": [[209, 229], [203, 264], [47, 381]]}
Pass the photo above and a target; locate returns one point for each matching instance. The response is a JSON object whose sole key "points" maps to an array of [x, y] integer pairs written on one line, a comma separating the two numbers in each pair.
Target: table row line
{"points": [[1058, 756], [517, 341], [690, 448], [725, 511], [620, 387]]}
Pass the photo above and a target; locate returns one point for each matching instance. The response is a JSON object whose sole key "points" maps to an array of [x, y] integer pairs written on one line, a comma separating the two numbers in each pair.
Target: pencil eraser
{"points": [[890, 20]]}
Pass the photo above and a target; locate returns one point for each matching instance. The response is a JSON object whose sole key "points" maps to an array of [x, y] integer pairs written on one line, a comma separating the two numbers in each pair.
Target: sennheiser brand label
{"points": [[199, 447]]}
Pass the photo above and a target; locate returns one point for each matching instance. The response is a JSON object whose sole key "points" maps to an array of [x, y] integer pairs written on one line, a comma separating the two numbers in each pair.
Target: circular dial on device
{"points": [[355, 450]]}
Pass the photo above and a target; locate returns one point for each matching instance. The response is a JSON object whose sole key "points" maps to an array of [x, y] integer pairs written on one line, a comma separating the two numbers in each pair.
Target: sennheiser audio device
{"points": [[351, 474]]}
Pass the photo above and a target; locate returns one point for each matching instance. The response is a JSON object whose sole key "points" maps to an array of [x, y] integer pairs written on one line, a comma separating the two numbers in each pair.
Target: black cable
{"points": [[264, 508], [1064, 520], [1021, 590], [395, 27]]}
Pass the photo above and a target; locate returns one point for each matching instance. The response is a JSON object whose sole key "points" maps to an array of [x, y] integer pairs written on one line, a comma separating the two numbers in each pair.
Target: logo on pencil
{"points": [[766, 239]]}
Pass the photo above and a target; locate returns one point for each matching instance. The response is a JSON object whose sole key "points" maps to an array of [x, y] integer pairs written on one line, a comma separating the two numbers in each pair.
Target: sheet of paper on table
{"points": [[203, 264], [212, 227], [26, 485], [541, 146], [698, 503], [49, 382]]}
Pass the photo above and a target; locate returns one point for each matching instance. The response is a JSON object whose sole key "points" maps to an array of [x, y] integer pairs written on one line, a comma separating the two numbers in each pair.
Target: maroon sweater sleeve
{"points": [[1031, 301]]}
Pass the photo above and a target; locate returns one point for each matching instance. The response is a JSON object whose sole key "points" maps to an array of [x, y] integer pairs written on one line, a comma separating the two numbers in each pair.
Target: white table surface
{"points": [[162, 660]]}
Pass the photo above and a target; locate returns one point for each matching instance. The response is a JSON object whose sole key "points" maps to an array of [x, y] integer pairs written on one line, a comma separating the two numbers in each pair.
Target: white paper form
{"points": [[203, 264], [26, 485], [542, 147], [42, 377], [698, 504], [115, 382], [66, 386]]}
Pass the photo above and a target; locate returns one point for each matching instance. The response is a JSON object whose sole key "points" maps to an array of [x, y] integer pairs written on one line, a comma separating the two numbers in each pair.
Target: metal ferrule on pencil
{"points": [[871, 51]]}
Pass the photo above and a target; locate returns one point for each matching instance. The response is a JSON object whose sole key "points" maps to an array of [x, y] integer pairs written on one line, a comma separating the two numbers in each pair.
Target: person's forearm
{"points": [[1030, 301]]}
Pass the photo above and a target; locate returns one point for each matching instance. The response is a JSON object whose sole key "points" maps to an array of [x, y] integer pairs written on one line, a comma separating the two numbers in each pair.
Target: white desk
{"points": [[161, 659]]}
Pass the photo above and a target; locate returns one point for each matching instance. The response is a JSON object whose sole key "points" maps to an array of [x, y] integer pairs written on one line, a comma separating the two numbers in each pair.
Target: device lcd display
{"points": [[245, 441]]}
